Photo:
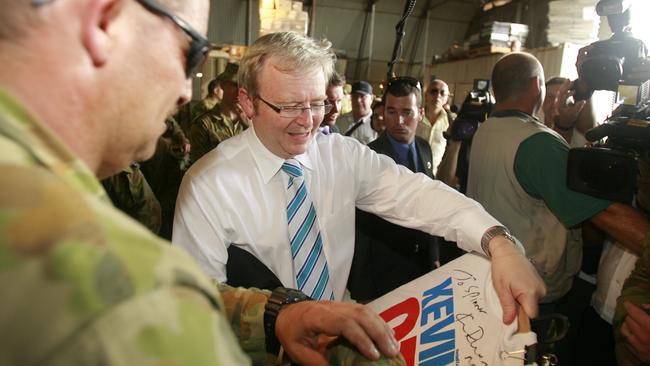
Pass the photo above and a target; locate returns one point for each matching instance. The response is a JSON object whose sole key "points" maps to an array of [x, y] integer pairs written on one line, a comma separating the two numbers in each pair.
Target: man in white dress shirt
{"points": [[238, 194]]}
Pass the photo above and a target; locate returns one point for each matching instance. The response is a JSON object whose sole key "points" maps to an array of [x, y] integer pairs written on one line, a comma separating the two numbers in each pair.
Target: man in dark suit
{"points": [[387, 255]]}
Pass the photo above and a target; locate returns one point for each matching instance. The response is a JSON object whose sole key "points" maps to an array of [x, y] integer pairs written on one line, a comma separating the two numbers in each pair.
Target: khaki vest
{"points": [[493, 183]]}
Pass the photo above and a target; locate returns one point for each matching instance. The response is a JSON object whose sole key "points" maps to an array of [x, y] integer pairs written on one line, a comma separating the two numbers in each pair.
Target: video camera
{"points": [[476, 107], [604, 65], [609, 170]]}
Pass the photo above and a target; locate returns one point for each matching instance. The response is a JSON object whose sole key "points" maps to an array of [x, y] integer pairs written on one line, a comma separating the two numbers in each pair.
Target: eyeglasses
{"points": [[199, 45], [295, 111], [404, 80]]}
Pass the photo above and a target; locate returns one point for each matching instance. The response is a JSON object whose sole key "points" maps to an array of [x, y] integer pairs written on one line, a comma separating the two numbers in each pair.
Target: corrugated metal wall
{"points": [[342, 22]]}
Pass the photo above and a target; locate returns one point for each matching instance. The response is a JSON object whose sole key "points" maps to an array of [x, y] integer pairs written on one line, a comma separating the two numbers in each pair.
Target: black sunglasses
{"points": [[404, 80], [199, 45]]}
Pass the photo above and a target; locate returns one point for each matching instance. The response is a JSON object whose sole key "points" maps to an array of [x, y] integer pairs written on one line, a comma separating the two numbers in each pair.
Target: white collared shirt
{"points": [[236, 195]]}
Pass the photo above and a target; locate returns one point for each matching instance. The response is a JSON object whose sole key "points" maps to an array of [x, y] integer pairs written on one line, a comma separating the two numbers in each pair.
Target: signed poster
{"points": [[452, 316]]}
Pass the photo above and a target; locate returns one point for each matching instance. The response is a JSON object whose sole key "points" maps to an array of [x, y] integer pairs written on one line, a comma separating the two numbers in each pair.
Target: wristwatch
{"points": [[491, 233], [280, 297]]}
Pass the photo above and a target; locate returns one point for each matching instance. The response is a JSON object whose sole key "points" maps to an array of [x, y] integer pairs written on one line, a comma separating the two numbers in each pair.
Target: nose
{"points": [[186, 92], [306, 119]]}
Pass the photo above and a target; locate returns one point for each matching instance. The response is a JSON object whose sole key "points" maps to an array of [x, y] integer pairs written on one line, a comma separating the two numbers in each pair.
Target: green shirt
{"points": [[540, 168]]}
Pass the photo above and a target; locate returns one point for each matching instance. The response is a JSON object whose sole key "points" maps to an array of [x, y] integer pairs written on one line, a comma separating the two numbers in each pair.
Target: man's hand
{"points": [[636, 330], [567, 113], [515, 279], [305, 328]]}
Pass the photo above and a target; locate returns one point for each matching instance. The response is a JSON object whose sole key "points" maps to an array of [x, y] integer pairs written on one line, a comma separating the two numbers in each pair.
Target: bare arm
{"points": [[447, 168], [625, 224]]}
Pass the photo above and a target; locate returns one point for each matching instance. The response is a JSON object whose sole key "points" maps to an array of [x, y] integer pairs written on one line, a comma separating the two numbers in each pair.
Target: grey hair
{"points": [[291, 52]]}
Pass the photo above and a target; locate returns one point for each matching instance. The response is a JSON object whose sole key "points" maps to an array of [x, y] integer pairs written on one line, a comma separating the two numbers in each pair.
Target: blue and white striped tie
{"points": [[309, 262]]}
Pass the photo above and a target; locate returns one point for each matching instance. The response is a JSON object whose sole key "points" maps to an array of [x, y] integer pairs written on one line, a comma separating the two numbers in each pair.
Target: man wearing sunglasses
{"points": [[82, 283], [437, 119], [286, 194]]}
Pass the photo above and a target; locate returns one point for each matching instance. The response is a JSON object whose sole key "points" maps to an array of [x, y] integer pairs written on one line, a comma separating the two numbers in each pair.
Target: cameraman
{"points": [[518, 172], [570, 120]]}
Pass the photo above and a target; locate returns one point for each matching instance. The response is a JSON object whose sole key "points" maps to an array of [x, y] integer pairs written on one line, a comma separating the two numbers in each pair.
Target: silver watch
{"points": [[493, 232]]}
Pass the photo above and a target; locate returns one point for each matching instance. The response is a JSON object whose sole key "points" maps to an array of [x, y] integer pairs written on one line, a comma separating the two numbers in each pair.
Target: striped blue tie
{"points": [[309, 262]]}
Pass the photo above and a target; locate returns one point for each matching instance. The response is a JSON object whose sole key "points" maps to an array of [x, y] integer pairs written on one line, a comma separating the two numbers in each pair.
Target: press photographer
{"points": [[611, 170], [476, 107]]}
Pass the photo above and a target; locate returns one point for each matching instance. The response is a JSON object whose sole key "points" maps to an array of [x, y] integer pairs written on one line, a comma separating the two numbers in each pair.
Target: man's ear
{"points": [[536, 84], [98, 18], [246, 102]]}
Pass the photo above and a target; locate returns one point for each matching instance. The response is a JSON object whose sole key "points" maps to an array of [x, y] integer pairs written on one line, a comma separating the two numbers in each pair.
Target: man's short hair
{"points": [[291, 52], [336, 80], [557, 80], [213, 84], [512, 73], [403, 89]]}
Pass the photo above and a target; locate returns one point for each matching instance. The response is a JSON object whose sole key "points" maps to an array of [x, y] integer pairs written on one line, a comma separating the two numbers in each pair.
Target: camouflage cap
{"points": [[230, 73]]}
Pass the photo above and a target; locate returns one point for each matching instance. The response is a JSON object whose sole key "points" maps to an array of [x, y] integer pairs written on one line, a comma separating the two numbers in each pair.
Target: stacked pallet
{"points": [[496, 37], [573, 21]]}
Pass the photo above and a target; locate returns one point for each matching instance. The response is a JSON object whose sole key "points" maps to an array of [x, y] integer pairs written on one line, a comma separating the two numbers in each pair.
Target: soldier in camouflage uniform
{"points": [[130, 193], [213, 97], [224, 120], [82, 283]]}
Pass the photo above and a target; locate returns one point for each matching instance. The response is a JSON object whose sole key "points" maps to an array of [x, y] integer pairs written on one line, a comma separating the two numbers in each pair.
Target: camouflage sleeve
{"points": [[201, 140], [176, 132], [131, 193], [636, 288], [344, 354], [86, 285], [245, 311]]}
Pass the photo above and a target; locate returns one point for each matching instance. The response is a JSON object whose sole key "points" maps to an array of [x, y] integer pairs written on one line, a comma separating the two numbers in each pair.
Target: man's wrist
{"points": [[280, 297], [492, 233]]}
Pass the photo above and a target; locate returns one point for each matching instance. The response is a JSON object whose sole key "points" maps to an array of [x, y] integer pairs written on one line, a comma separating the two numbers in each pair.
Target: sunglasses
{"points": [[199, 45]]}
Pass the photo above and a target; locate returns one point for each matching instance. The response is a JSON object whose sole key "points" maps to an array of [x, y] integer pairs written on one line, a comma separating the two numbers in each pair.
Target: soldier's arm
{"points": [[306, 330]]}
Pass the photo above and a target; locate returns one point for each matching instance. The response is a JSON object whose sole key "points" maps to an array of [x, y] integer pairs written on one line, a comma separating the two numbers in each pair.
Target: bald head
{"points": [[512, 75]]}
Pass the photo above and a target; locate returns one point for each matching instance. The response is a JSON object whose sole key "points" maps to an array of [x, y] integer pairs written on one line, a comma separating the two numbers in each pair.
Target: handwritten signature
{"points": [[472, 291], [473, 333]]}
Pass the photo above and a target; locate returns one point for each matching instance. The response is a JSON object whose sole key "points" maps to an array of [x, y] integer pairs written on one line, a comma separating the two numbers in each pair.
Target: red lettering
{"points": [[410, 307]]}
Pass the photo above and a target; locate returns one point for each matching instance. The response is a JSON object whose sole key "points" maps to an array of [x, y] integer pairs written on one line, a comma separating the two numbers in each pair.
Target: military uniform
{"points": [[84, 284], [203, 106], [210, 129], [132, 195]]}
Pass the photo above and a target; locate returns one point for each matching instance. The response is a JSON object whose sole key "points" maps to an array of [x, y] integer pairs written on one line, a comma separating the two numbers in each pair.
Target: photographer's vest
{"points": [[493, 183]]}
